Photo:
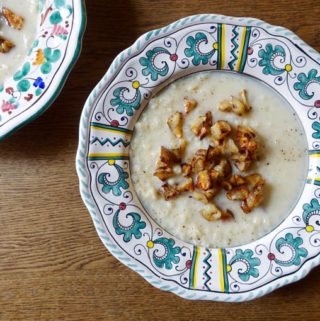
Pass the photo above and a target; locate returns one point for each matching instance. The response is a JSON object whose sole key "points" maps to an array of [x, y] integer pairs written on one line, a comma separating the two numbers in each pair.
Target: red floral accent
{"points": [[317, 104], [114, 123], [174, 57], [122, 206], [250, 51], [271, 256], [189, 264]]}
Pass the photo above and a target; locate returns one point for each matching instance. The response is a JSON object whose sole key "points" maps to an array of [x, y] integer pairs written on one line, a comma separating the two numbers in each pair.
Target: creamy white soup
{"points": [[282, 161], [22, 39]]}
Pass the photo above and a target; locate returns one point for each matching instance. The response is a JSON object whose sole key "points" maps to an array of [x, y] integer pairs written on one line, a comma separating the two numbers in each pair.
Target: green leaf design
{"points": [[59, 3], [55, 18], [46, 68], [23, 85]]}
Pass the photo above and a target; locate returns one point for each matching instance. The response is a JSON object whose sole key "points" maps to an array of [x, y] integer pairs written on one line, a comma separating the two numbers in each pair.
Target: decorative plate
{"points": [[204, 42], [39, 80]]}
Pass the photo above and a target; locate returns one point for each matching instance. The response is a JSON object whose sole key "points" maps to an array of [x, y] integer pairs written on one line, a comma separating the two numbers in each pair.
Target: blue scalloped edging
{"points": [[84, 176]]}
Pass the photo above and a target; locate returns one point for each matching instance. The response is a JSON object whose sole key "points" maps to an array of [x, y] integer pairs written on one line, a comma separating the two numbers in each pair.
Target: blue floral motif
{"points": [[123, 104], [194, 51], [246, 257], [316, 127], [293, 244], [149, 63], [304, 81], [268, 58], [115, 186], [134, 229], [170, 253], [310, 210]]}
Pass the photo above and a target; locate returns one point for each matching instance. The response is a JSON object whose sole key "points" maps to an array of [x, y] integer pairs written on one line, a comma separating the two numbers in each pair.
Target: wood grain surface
{"points": [[52, 263]]}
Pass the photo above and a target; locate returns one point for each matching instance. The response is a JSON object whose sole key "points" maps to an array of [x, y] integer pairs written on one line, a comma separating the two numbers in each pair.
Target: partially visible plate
{"points": [[38, 82], [271, 54]]}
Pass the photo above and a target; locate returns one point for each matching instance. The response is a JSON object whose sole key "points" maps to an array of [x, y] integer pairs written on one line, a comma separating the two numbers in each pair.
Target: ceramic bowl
{"points": [[39, 80], [248, 46]]}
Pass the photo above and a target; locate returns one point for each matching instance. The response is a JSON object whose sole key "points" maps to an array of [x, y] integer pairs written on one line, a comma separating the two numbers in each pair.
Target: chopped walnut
{"points": [[168, 191], [238, 193], [212, 192], [170, 156], [186, 186], [186, 169], [223, 168], [175, 122], [229, 147], [201, 127], [213, 213], [246, 139], [237, 180], [199, 160], [203, 180], [200, 197], [5, 45], [239, 106], [189, 105], [220, 130], [255, 180], [13, 20], [214, 154], [242, 161], [254, 199], [163, 173]]}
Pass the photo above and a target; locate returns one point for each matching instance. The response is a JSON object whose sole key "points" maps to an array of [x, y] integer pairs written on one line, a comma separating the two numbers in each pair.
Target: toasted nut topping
{"points": [[220, 130], [242, 160], [212, 192], [175, 123], [223, 168], [227, 215], [246, 139], [170, 156], [203, 180], [5, 45], [189, 105], [201, 126], [229, 147], [186, 186], [254, 199], [186, 169], [211, 213], [238, 105], [168, 191], [13, 20], [200, 197], [225, 105], [214, 154], [237, 180], [199, 160], [238, 193], [163, 173], [255, 180]]}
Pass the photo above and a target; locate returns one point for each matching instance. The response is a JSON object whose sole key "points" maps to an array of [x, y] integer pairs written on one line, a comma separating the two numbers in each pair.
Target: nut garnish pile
{"points": [[12, 20], [210, 170]]}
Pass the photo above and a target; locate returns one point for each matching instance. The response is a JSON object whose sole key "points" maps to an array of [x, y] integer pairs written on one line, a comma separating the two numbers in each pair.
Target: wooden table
{"points": [[52, 263]]}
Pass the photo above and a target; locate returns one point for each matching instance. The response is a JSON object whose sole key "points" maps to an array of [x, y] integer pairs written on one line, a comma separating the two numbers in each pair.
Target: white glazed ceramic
{"points": [[39, 80], [271, 54]]}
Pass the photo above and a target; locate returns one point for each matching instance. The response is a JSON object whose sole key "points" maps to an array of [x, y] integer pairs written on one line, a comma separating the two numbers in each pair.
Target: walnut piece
{"points": [[199, 160], [13, 20], [254, 199], [238, 105], [223, 168], [186, 169], [5, 45], [201, 127], [170, 156], [220, 130], [189, 105], [168, 191], [203, 180], [175, 123], [213, 213], [186, 186]]}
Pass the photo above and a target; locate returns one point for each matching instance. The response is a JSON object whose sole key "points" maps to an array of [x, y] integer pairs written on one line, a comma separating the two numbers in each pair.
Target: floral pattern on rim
{"points": [[241, 269]]}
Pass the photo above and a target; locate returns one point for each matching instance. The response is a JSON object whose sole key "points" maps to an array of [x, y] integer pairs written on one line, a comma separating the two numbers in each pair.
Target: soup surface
{"points": [[282, 160], [22, 39]]}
